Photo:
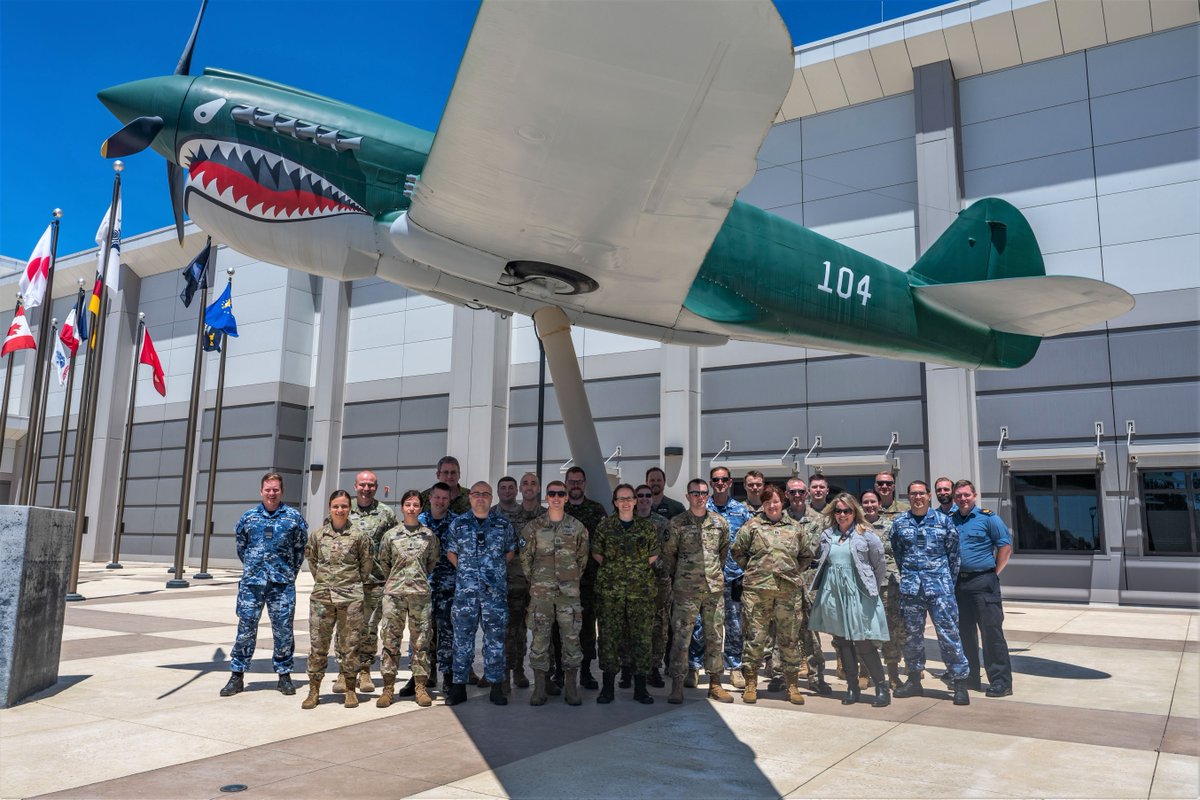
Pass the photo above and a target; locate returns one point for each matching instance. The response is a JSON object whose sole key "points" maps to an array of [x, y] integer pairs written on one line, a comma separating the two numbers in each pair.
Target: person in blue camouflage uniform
{"points": [[926, 546], [441, 583], [270, 544], [736, 513], [479, 545]]}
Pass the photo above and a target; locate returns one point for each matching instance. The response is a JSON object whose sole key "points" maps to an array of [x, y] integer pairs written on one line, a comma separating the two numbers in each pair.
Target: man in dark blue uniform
{"points": [[270, 543], [985, 546]]}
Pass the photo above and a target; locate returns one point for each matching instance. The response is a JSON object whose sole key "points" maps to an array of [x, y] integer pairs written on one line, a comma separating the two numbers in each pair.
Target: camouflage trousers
{"points": [[810, 642], [280, 601], [626, 622], [543, 613], [368, 639], [733, 635], [660, 631], [516, 634], [766, 611], [416, 611], [893, 646], [943, 610], [324, 612], [441, 649], [709, 608], [472, 610]]}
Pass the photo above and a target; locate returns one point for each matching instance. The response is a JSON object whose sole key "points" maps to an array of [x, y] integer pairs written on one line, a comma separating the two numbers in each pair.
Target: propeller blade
{"points": [[133, 138], [185, 60], [175, 187]]}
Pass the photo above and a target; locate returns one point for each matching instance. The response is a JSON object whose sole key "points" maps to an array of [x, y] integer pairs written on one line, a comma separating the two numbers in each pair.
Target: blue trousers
{"points": [[442, 626], [280, 602], [943, 611], [733, 636], [469, 612]]}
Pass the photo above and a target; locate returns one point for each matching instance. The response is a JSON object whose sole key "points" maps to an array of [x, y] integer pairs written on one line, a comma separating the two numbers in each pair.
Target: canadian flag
{"points": [[19, 336], [33, 281], [150, 357]]}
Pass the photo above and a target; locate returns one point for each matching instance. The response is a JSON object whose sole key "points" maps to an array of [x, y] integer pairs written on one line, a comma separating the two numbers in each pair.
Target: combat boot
{"points": [[365, 684], [606, 691], [234, 685], [911, 687], [676, 695], [285, 685], [655, 679], [455, 693], [389, 689], [893, 671], [791, 683], [314, 694], [538, 698], [520, 678], [736, 678], [339, 685], [483, 683], [431, 683], [472, 678], [350, 699], [639, 689], [506, 684], [554, 682], [716, 691], [586, 679], [883, 695], [818, 684], [692, 677], [408, 689], [447, 682], [775, 684], [961, 698], [571, 687], [496, 695], [750, 678], [805, 671], [422, 693], [626, 677]]}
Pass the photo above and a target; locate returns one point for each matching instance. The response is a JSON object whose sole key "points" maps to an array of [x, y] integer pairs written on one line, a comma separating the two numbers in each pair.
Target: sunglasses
{"points": [[722, 480], [843, 511], [800, 492], [644, 496], [885, 483], [556, 493], [698, 493]]}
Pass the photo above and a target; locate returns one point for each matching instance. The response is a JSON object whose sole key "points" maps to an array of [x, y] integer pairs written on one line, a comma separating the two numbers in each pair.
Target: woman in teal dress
{"points": [[848, 605]]}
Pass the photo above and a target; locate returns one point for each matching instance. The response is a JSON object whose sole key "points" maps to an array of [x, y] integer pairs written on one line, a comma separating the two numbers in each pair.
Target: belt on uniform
{"points": [[962, 575]]}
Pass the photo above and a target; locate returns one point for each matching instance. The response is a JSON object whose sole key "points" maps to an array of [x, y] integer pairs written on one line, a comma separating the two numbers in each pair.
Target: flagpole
{"points": [[87, 427], [7, 390], [189, 447], [36, 432], [66, 416], [216, 443], [119, 527], [33, 452]]}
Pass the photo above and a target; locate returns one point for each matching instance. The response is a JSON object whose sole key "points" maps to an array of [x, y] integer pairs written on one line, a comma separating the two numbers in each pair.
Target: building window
{"points": [[1056, 512], [1171, 503]]}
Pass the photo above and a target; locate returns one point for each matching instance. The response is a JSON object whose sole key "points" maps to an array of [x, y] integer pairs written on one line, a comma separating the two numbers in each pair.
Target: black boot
{"points": [[457, 693], [409, 689], [555, 682], [870, 657], [850, 665], [497, 694], [586, 679], [431, 683], [817, 682], [961, 698], [447, 682], [606, 694], [655, 679], [626, 678], [639, 690], [285, 684], [911, 686], [234, 686]]}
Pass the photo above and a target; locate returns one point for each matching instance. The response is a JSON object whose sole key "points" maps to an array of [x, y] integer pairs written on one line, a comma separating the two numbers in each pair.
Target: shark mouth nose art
{"points": [[260, 184]]}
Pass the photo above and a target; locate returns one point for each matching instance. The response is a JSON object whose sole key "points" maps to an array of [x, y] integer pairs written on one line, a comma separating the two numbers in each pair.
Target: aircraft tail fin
{"points": [[988, 241]]}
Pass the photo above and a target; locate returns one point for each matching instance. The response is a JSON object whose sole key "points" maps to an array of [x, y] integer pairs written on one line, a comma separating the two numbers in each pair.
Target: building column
{"points": [[477, 430], [950, 420], [679, 417], [328, 397]]}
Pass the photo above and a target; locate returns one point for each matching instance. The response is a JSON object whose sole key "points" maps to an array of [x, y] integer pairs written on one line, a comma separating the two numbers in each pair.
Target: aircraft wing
{"points": [[609, 138]]}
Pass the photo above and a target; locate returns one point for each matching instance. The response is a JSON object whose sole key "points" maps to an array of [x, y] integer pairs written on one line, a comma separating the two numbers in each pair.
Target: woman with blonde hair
{"points": [[849, 605]]}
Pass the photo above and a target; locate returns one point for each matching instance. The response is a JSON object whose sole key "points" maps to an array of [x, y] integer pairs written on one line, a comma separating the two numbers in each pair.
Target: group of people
{"points": [[719, 584]]}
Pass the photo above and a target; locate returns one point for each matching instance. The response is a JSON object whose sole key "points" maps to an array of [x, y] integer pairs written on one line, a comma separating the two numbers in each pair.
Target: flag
{"points": [[69, 335], [81, 317], [19, 336], [220, 314], [149, 357], [196, 275], [33, 281], [92, 314], [114, 254], [62, 361], [213, 339]]}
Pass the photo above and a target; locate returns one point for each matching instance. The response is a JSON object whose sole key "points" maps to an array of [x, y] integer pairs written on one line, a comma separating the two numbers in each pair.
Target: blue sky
{"points": [[396, 57]]}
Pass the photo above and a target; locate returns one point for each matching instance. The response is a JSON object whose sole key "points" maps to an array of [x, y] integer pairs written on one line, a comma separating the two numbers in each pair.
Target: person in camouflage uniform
{"points": [[812, 655], [626, 547], [893, 648], [517, 632], [890, 506], [371, 518], [554, 554], [589, 512], [270, 544], [660, 632], [340, 558], [480, 545], [448, 472], [441, 583], [695, 553], [407, 556], [773, 550]]}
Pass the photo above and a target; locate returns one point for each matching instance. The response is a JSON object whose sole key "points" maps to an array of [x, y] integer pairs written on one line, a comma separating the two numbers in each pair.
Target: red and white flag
{"points": [[150, 357], [33, 281], [69, 334], [19, 336]]}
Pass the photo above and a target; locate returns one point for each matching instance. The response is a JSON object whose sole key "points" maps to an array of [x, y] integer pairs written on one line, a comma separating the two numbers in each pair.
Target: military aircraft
{"points": [[589, 160]]}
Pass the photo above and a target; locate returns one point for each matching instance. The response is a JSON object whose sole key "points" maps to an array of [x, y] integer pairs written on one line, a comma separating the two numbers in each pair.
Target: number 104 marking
{"points": [[845, 280]]}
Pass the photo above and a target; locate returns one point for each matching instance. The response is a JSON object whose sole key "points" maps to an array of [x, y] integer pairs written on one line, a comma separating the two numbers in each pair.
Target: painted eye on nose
{"points": [[205, 112]]}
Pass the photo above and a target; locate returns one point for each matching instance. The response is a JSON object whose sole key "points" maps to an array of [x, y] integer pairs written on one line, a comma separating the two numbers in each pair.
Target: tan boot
{"points": [[804, 672], [750, 681], [538, 698], [737, 679], [314, 694], [350, 700], [571, 687], [676, 696], [422, 693], [365, 684], [716, 691], [790, 682], [339, 685], [389, 689], [692, 678]]}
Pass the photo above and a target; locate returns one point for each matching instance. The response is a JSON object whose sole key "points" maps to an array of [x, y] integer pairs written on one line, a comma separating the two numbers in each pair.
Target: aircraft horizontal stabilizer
{"points": [[1036, 306]]}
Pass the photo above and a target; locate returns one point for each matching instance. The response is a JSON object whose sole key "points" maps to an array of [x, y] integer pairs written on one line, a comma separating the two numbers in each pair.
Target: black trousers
{"points": [[981, 619]]}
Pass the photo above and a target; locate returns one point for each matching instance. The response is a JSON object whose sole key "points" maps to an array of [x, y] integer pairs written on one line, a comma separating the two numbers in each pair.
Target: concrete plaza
{"points": [[1107, 705]]}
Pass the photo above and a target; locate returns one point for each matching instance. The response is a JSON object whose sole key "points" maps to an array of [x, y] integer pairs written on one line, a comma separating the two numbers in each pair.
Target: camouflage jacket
{"points": [[774, 555], [554, 556], [927, 553], [518, 517], [626, 570], [480, 545], [459, 504], [663, 526], [408, 558], [372, 523], [897, 508], [695, 552], [340, 561], [270, 544], [882, 527]]}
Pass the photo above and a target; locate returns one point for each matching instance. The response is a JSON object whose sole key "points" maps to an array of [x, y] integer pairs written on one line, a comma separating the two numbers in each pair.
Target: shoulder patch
{"points": [[987, 512]]}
